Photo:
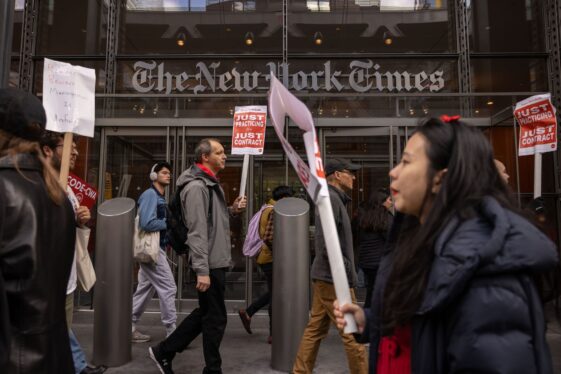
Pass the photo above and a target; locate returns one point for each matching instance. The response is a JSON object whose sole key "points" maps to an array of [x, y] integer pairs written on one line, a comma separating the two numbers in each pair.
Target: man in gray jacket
{"points": [[340, 178], [206, 215]]}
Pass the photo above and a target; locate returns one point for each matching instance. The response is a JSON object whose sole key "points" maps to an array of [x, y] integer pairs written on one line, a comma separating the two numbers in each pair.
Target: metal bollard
{"points": [[113, 289], [291, 280]]}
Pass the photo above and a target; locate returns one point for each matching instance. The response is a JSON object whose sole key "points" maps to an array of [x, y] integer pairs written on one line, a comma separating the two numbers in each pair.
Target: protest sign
{"points": [[538, 132], [69, 98], [85, 193], [248, 135], [281, 104], [69, 101], [538, 125]]}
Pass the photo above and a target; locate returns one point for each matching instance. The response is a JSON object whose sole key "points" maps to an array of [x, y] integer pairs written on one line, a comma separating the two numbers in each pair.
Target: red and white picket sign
{"points": [[248, 135], [538, 125], [85, 194], [282, 103]]}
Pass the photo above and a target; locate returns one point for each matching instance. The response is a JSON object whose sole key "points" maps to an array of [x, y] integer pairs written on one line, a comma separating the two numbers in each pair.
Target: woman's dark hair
{"points": [[372, 215], [282, 192], [471, 176], [12, 145], [50, 139]]}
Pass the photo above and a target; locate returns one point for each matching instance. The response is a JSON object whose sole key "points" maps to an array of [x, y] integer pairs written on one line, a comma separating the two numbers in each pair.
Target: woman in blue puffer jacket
{"points": [[454, 292]]}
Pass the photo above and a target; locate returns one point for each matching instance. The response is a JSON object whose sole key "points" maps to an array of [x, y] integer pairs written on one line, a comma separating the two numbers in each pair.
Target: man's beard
{"points": [[56, 162]]}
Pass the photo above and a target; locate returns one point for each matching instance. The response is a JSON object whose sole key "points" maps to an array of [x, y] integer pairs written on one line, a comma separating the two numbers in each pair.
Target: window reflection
{"points": [[491, 31], [68, 27], [382, 5], [318, 5], [378, 26], [201, 27], [509, 75], [188, 5]]}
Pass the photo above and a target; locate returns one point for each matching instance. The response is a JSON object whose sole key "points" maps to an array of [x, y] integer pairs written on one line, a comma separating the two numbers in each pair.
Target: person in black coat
{"points": [[36, 245], [372, 223], [458, 270]]}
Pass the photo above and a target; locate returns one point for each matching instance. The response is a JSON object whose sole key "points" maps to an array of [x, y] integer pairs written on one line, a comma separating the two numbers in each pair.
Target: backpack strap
{"points": [[209, 214]]}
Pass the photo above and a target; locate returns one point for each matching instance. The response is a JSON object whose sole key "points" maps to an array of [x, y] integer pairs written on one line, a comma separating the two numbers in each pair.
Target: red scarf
{"points": [[206, 170], [394, 352]]}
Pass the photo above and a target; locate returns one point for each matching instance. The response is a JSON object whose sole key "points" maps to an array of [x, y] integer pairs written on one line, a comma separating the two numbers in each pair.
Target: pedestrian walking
{"points": [[340, 179], [52, 144], [265, 261], [373, 221], [155, 277], [37, 233], [454, 293], [207, 216]]}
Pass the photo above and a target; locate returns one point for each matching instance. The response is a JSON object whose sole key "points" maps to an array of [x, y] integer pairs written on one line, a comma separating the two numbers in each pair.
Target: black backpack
{"points": [[176, 228]]}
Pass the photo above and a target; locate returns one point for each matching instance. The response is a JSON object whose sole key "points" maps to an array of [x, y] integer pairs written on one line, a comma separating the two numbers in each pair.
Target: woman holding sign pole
{"points": [[36, 245], [455, 293]]}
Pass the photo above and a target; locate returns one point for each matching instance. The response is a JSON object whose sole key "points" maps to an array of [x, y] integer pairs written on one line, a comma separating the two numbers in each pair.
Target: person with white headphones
{"points": [[156, 277]]}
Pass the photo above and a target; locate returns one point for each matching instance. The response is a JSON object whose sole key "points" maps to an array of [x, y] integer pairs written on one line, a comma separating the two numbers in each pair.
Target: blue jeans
{"points": [[78, 355]]}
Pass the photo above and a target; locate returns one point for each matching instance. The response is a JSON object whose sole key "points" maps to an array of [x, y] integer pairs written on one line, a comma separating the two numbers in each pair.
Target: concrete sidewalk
{"points": [[241, 353]]}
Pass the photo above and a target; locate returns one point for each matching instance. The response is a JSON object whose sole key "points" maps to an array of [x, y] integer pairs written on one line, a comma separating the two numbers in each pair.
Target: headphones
{"points": [[153, 174]]}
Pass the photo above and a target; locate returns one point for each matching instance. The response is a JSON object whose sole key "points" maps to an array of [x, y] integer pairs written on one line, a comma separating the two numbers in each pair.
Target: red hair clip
{"points": [[449, 119]]}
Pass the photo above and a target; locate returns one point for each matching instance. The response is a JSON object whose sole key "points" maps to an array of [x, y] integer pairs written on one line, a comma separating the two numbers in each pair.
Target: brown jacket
{"points": [[266, 233]]}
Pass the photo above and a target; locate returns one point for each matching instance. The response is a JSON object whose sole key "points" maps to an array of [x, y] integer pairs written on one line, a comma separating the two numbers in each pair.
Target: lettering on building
{"points": [[362, 76]]}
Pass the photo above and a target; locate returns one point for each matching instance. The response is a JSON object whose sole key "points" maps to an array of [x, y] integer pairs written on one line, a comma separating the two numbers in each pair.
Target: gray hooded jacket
{"points": [[209, 247]]}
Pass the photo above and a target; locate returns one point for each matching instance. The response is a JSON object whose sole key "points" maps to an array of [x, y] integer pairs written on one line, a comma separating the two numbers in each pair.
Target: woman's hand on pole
{"points": [[357, 312]]}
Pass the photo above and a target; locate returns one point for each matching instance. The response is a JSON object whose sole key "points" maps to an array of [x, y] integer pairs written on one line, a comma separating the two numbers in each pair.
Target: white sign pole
{"points": [[244, 174], [340, 281], [537, 175]]}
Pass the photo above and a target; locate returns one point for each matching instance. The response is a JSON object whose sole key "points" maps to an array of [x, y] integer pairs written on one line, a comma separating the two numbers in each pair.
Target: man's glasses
{"points": [[74, 148]]}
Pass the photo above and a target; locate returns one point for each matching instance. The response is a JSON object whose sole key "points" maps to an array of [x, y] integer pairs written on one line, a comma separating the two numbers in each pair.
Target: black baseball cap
{"points": [[21, 114], [337, 164]]}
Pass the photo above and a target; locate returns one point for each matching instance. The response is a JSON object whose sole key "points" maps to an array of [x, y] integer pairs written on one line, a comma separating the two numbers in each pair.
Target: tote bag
{"points": [[84, 267], [146, 244]]}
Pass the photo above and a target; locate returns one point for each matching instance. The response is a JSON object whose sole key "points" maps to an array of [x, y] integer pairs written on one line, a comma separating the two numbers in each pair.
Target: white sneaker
{"points": [[138, 337]]}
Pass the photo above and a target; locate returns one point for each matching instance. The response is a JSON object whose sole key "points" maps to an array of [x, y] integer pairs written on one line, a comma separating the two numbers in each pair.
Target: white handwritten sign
{"points": [[69, 98]]}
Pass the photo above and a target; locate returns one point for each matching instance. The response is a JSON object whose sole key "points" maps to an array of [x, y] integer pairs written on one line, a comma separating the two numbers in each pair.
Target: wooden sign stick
{"points": [[65, 162]]}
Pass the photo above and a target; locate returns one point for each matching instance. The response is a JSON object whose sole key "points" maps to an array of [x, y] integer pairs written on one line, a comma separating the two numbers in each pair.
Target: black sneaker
{"points": [[164, 364]]}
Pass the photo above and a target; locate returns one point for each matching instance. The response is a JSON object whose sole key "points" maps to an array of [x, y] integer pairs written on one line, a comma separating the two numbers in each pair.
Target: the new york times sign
{"points": [[361, 76]]}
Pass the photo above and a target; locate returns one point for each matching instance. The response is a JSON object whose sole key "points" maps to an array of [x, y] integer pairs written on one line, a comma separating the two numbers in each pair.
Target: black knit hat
{"points": [[21, 114]]}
